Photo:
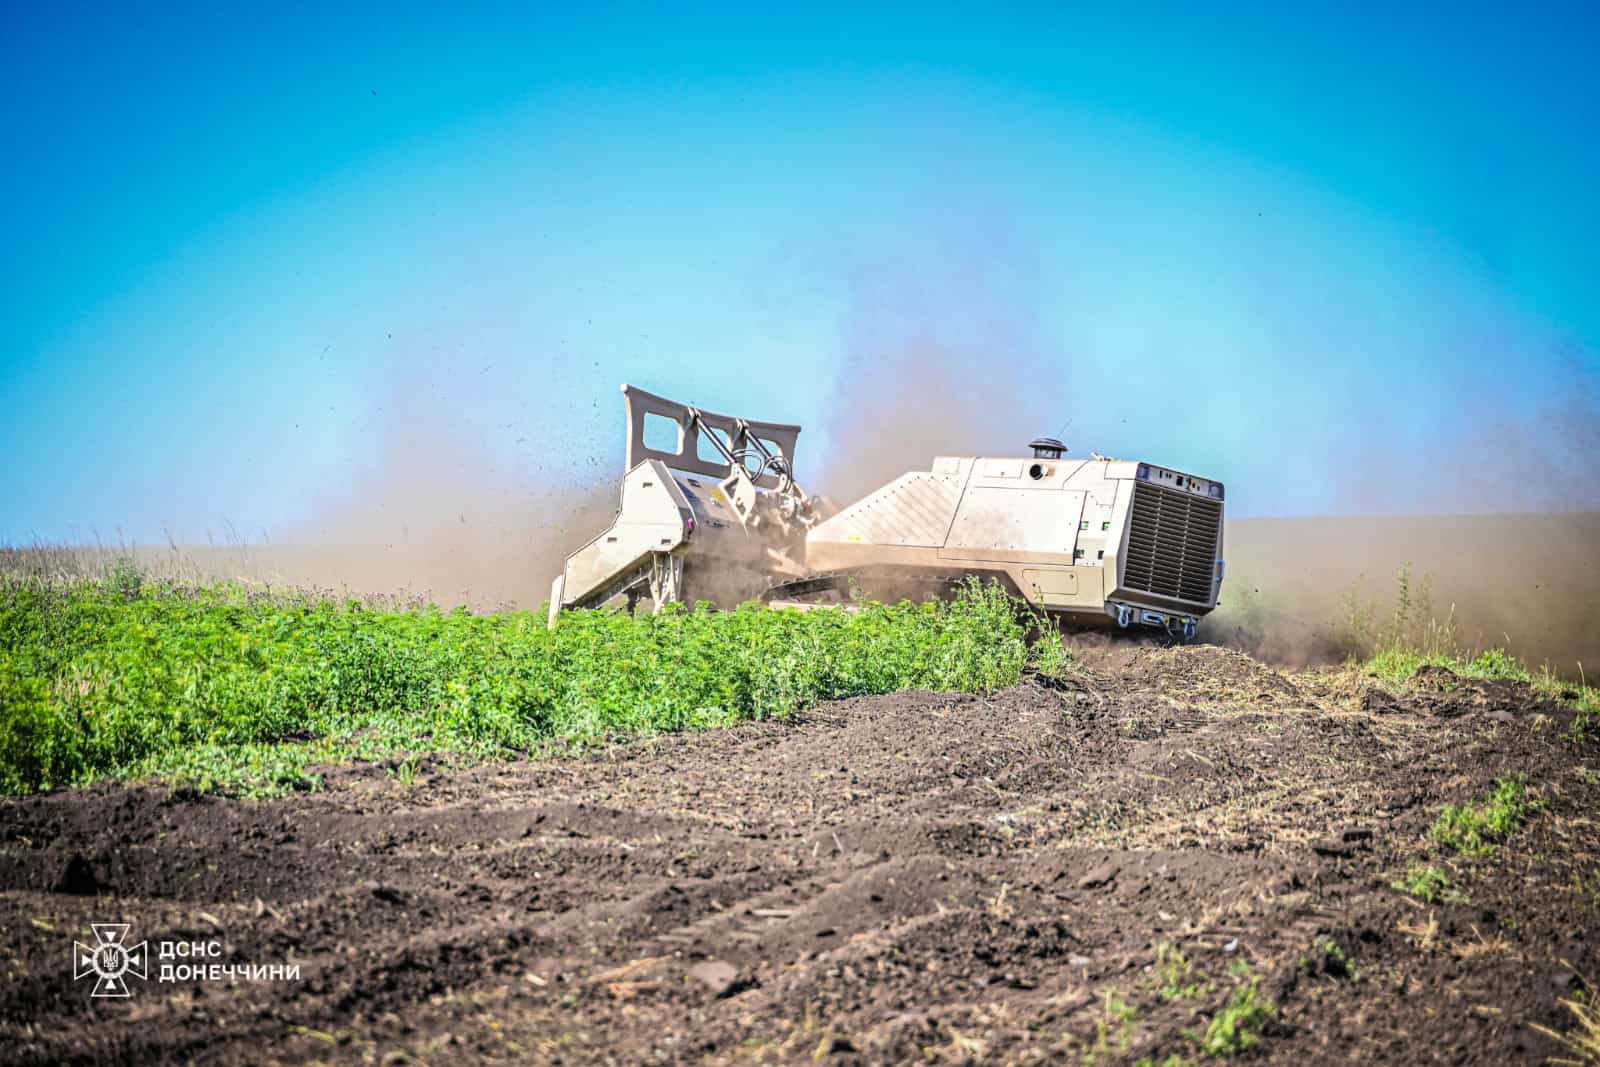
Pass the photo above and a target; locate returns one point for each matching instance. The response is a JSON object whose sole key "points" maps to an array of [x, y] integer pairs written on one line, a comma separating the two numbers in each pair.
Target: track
{"points": [[900, 582]]}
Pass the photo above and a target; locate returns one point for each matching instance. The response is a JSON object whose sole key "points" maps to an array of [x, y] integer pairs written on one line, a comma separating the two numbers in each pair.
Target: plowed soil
{"points": [[911, 878]]}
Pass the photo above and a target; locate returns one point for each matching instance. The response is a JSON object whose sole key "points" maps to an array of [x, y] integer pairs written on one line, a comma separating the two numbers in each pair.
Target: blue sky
{"points": [[257, 265]]}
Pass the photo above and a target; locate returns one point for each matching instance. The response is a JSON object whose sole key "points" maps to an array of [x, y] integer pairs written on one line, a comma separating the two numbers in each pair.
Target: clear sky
{"points": [[250, 259]]}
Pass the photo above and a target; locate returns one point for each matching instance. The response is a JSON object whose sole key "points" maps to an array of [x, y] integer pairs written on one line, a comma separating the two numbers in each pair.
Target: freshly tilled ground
{"points": [[910, 878]]}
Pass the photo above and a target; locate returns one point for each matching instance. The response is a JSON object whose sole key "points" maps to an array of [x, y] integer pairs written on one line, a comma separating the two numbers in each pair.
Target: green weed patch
{"points": [[1399, 664], [1477, 829], [1427, 884], [1175, 974], [1237, 1026], [226, 687]]}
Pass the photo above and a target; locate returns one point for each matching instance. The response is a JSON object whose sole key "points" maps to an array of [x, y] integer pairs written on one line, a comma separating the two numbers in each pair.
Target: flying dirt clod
{"points": [[710, 510]]}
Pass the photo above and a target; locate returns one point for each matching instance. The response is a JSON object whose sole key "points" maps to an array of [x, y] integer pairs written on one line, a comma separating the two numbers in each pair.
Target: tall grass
{"points": [[1409, 624], [230, 685], [1393, 644], [59, 562]]}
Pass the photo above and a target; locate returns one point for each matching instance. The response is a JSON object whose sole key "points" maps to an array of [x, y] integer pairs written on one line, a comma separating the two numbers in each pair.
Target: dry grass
{"points": [[1582, 1042], [1478, 945], [1423, 934]]}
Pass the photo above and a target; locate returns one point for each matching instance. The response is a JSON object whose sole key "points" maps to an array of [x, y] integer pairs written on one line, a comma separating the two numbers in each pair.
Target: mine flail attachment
{"points": [[710, 510], [666, 577]]}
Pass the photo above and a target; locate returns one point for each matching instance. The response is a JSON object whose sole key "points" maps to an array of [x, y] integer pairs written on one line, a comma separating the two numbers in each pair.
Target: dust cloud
{"points": [[1495, 509], [943, 356], [443, 512], [947, 353], [1497, 512], [1480, 453], [1523, 582]]}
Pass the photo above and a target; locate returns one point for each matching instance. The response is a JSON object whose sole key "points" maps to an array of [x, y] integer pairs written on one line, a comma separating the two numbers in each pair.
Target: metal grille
{"points": [[1172, 543]]}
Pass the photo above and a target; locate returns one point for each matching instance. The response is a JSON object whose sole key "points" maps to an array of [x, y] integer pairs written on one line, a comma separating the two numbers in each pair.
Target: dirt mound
{"points": [[887, 879], [1201, 673], [1439, 691]]}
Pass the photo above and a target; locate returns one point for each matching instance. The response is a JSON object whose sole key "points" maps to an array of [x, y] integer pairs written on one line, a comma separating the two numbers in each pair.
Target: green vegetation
{"points": [[1237, 1023], [1427, 884], [1476, 829], [406, 772], [1330, 958], [1050, 656], [1395, 645], [1409, 626], [1586, 723], [1174, 974], [1398, 664], [1234, 1028], [230, 687], [1469, 830], [1114, 1030]]}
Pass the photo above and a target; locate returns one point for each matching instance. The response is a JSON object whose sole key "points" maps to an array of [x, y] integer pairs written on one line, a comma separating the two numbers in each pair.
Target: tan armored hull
{"points": [[1068, 535]]}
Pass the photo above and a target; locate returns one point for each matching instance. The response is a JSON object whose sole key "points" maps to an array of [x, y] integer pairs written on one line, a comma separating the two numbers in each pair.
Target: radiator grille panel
{"points": [[1172, 543]]}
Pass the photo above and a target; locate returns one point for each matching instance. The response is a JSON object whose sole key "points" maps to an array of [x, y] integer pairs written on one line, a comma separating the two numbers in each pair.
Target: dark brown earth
{"points": [[912, 878]]}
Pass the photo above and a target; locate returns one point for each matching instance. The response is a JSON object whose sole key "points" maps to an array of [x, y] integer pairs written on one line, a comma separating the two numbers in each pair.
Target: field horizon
{"points": [[1513, 580]]}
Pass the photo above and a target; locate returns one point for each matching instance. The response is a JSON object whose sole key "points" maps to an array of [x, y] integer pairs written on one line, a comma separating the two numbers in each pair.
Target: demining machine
{"points": [[710, 511]]}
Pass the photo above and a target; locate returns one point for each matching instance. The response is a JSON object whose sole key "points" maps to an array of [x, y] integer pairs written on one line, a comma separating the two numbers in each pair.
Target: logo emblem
{"points": [[109, 959]]}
